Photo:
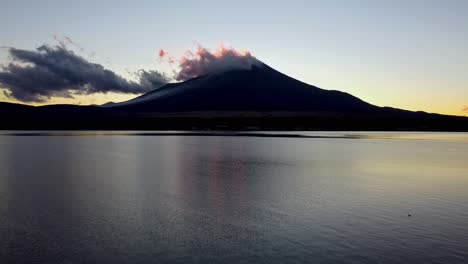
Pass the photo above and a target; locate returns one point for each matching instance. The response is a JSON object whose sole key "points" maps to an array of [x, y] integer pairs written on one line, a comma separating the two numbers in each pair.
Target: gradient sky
{"points": [[405, 54]]}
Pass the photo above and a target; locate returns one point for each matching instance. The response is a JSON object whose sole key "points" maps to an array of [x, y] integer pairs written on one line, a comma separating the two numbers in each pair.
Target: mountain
{"points": [[260, 88], [258, 98]]}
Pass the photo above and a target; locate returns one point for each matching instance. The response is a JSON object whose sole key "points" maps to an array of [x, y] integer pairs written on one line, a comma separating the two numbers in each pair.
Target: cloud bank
{"points": [[38, 75], [57, 71]]}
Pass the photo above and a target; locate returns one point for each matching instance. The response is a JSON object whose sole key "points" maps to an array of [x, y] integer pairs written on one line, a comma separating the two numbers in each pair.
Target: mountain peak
{"points": [[255, 88]]}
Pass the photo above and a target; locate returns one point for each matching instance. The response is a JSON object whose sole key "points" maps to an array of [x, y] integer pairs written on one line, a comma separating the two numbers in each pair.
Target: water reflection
{"points": [[431, 136], [127, 198]]}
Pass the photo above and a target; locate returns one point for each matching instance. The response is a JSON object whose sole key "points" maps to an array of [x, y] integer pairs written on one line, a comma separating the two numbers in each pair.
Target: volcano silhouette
{"points": [[260, 88], [255, 98]]}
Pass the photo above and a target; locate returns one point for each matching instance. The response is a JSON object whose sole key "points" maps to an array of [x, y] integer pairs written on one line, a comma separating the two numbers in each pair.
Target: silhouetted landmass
{"points": [[257, 99]]}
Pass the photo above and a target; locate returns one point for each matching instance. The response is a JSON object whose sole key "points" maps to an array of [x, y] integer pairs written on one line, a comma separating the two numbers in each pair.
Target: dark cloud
{"points": [[37, 75], [203, 62]]}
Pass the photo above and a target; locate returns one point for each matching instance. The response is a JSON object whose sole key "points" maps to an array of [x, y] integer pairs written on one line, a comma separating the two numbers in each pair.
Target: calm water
{"points": [[94, 197]]}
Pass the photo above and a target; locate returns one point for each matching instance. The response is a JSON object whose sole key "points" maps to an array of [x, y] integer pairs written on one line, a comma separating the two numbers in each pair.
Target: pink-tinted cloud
{"points": [[202, 61], [164, 56], [162, 53], [465, 108]]}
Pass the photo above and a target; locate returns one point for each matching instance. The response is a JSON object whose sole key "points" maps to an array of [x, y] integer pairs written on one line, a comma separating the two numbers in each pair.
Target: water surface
{"points": [[276, 197]]}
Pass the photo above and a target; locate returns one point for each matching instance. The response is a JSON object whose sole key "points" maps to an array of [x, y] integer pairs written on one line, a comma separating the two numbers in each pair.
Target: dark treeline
{"points": [[67, 117]]}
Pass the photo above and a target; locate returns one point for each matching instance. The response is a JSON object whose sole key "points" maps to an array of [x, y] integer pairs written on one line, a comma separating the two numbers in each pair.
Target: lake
{"points": [[272, 197]]}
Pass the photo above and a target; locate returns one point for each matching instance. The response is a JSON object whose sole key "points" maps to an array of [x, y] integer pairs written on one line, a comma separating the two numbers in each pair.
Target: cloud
{"points": [[151, 79], [203, 62], [38, 75], [465, 108], [57, 71], [162, 53]]}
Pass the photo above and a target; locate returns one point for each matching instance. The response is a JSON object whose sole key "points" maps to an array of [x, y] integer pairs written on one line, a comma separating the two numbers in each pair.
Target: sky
{"points": [[405, 54]]}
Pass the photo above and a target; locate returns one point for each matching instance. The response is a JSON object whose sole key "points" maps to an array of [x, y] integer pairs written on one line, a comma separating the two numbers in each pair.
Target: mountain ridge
{"points": [[259, 89], [259, 98]]}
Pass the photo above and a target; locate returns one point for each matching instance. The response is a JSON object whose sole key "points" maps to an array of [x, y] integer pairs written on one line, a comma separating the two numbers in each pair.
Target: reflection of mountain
{"points": [[258, 98]]}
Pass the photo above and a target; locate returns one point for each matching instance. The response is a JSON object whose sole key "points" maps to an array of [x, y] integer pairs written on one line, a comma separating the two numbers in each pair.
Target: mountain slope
{"points": [[259, 89], [259, 98]]}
